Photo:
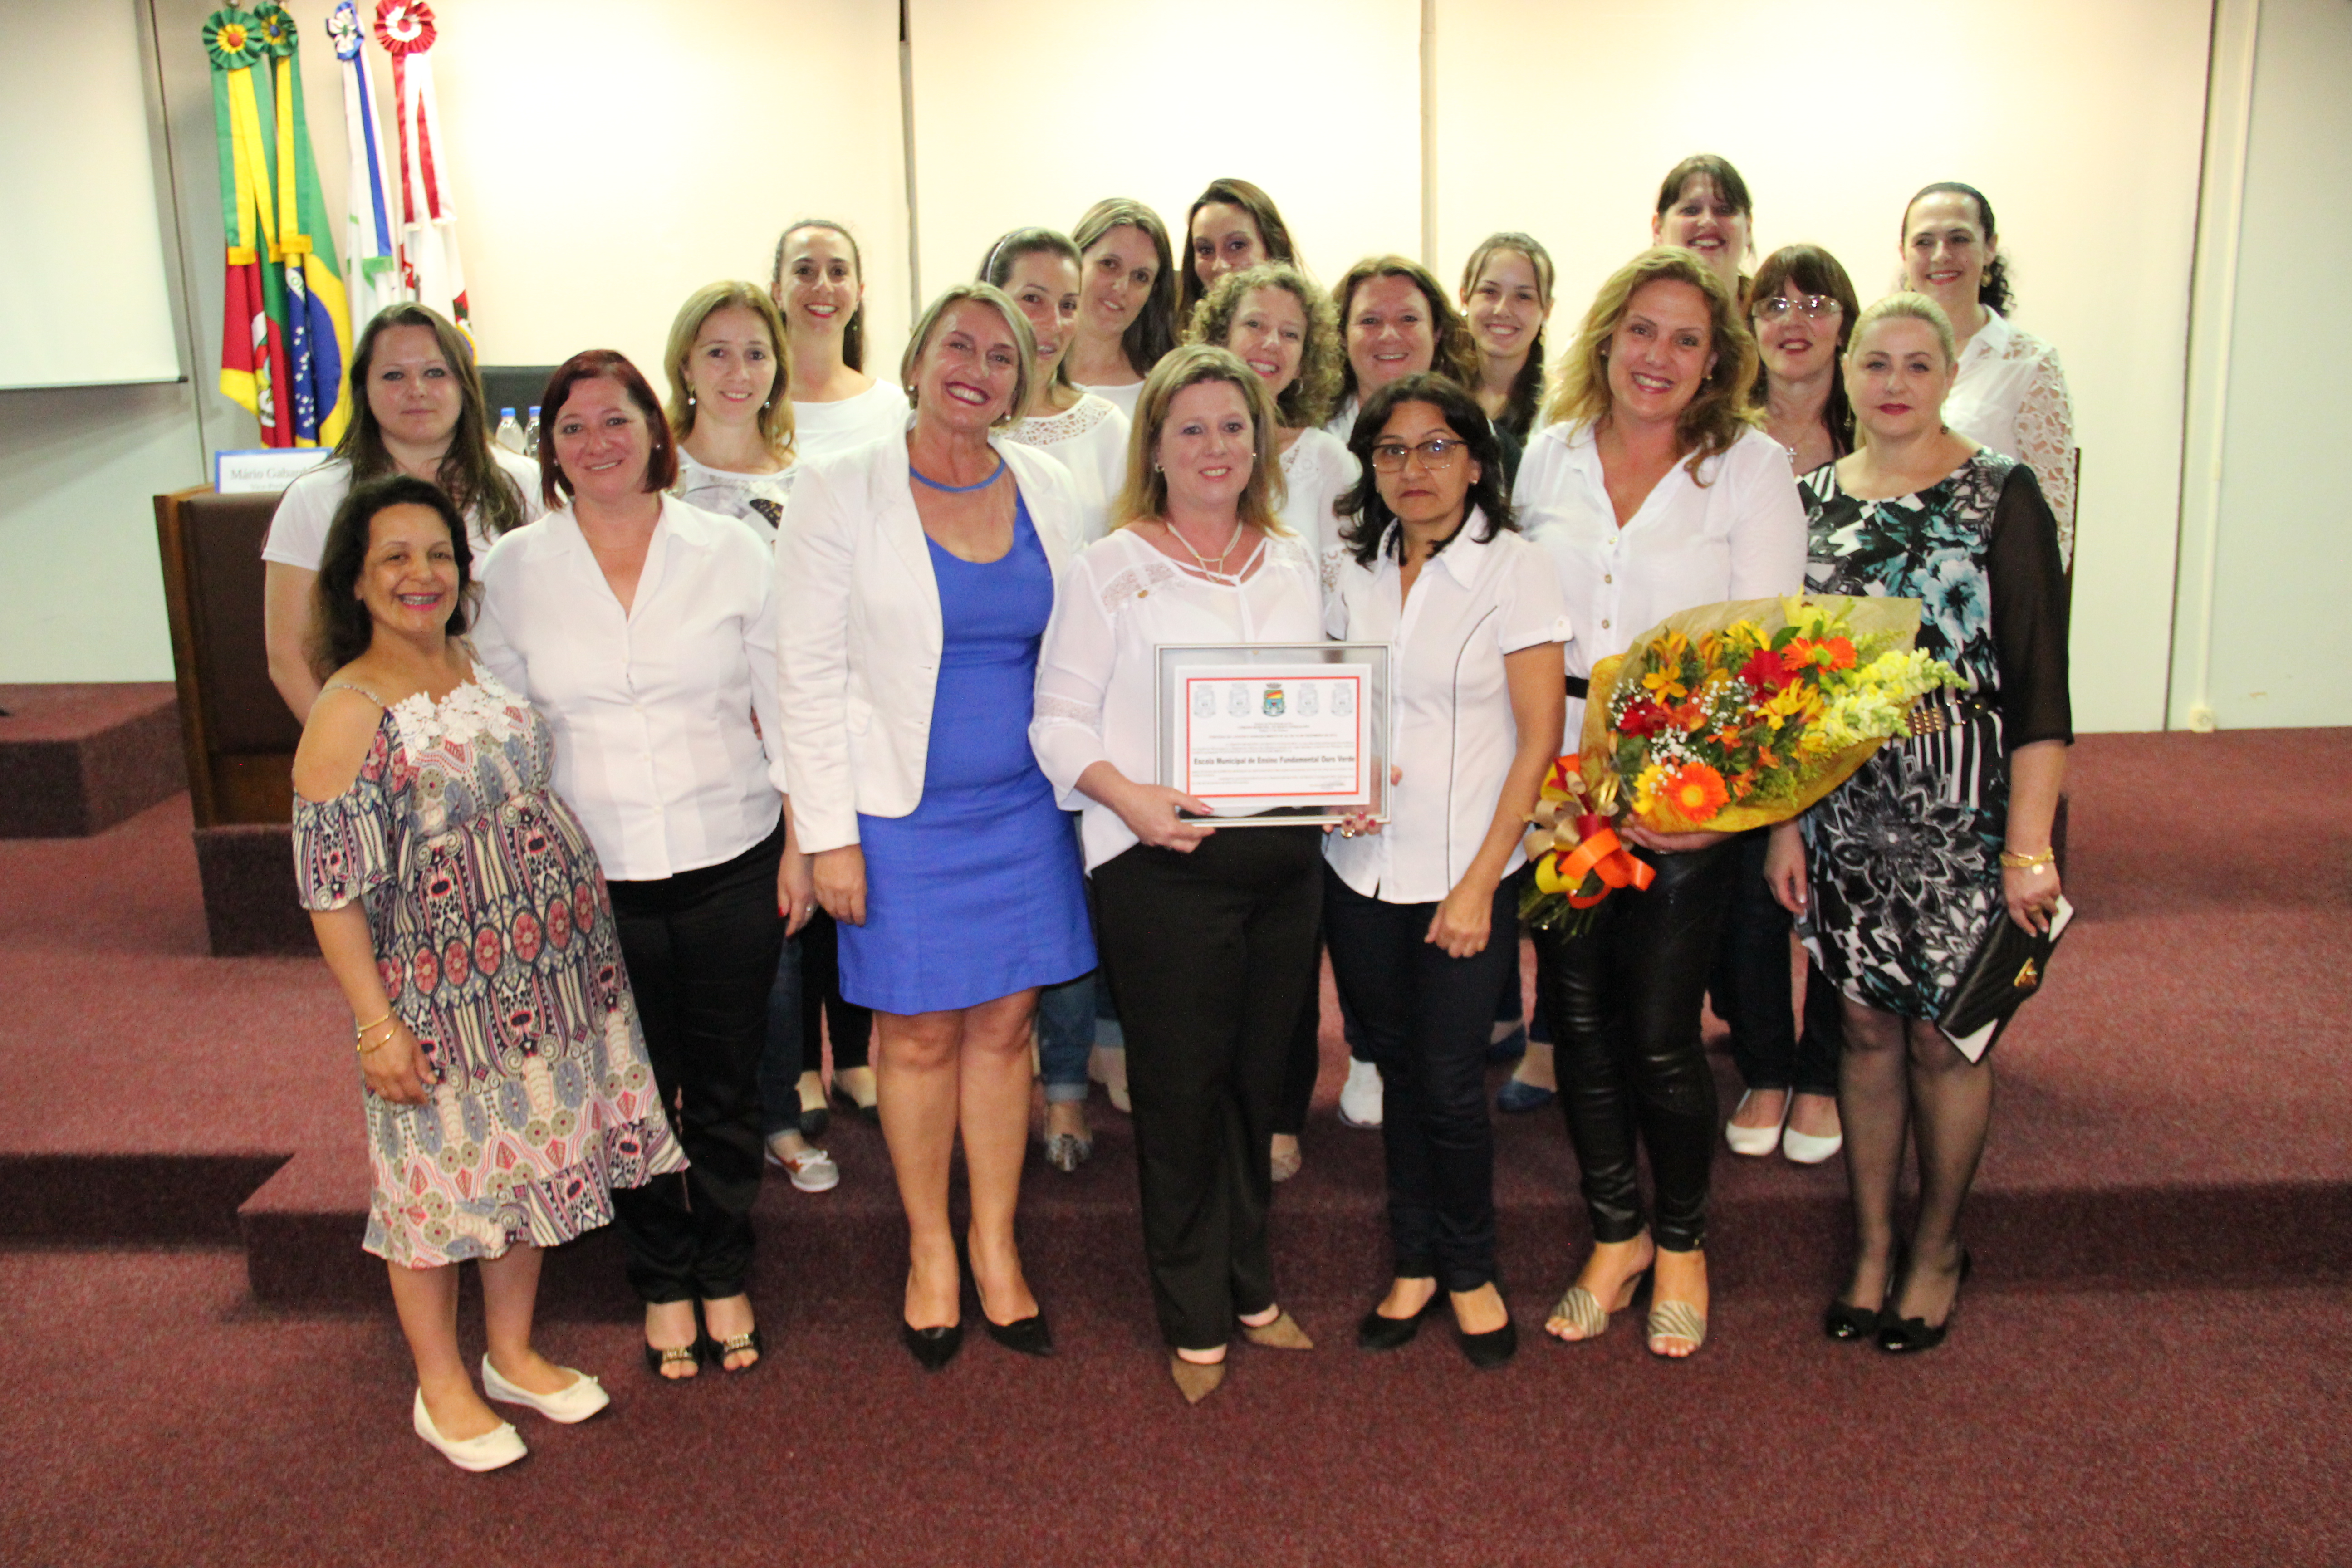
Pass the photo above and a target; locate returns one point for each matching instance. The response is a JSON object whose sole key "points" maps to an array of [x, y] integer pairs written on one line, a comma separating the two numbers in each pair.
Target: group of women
{"points": [[813, 703]]}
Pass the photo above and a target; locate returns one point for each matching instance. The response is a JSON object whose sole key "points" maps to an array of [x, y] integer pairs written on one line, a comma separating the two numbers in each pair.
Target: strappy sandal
{"points": [[1671, 1319], [1580, 1309], [717, 1351], [660, 1357]]}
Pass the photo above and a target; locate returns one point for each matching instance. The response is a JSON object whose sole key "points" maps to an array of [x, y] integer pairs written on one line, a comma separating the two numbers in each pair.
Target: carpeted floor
{"points": [[2147, 1369]]}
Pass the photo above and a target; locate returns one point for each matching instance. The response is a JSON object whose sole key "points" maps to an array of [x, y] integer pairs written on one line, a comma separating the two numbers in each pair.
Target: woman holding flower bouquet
{"points": [[1652, 491], [1904, 870]]}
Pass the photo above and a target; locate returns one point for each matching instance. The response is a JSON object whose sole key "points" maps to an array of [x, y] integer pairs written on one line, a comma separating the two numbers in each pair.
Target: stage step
{"points": [[76, 759]]}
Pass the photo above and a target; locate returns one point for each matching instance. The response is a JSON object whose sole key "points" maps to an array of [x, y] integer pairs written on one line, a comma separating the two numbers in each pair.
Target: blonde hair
{"points": [[1903, 307], [1145, 494], [776, 412], [1718, 414], [1307, 399], [918, 342]]}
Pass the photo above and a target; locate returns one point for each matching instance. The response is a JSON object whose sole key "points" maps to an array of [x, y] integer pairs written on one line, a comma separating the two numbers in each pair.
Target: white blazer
{"points": [[860, 633]]}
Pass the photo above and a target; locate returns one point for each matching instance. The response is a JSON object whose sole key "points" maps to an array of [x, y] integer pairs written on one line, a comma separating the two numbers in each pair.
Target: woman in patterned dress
{"points": [[462, 911], [1910, 863]]}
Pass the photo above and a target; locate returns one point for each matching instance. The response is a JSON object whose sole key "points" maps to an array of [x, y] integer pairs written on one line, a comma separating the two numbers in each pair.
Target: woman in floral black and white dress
{"points": [[1939, 836]]}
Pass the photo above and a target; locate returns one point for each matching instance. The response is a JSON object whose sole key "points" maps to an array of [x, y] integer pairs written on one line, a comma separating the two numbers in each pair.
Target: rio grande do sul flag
{"points": [[317, 317]]}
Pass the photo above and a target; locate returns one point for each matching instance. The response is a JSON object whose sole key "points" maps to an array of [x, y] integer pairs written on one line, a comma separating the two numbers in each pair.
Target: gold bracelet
{"points": [[358, 1031], [366, 1045], [2016, 862]]}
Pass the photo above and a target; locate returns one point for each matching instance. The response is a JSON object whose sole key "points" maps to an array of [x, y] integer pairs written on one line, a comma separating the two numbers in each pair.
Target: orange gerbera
{"points": [[1695, 791], [1841, 652]]}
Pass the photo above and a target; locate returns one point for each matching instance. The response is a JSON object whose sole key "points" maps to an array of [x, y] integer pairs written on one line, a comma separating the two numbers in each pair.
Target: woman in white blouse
{"points": [[916, 577], [820, 284], [1127, 299], [1507, 299], [731, 409], [1424, 912], [1208, 933], [643, 631], [1039, 268], [1283, 327], [421, 412], [1653, 492], [1396, 321], [2010, 394]]}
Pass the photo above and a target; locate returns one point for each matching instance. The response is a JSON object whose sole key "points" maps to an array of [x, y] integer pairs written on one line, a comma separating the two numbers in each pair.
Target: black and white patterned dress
{"points": [[1905, 858]]}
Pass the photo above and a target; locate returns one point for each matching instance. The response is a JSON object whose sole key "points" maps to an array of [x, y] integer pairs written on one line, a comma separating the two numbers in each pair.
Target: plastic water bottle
{"points": [[530, 435], [510, 433]]}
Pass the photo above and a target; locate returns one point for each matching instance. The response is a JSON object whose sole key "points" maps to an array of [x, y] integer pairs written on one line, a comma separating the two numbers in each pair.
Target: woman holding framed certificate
{"points": [[1208, 933], [1423, 914]]}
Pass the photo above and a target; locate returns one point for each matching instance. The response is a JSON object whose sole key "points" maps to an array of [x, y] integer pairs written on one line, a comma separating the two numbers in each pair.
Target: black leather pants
{"points": [[1623, 1003]]}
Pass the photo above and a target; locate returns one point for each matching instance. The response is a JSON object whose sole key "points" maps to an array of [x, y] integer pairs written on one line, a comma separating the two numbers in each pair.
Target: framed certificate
{"points": [[1277, 734]]}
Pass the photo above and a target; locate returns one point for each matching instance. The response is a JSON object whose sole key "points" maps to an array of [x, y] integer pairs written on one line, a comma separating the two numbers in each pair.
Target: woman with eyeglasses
{"points": [[1652, 491], [1804, 308], [1422, 912]]}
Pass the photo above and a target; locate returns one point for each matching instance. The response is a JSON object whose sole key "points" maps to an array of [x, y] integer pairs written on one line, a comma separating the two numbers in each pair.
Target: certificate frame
{"points": [[1297, 792]]}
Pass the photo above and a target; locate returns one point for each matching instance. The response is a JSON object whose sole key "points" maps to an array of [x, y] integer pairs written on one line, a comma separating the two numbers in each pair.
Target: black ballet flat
{"points": [[1377, 1332], [1492, 1349], [849, 1102], [1908, 1336], [1028, 1335], [932, 1347], [1845, 1324]]}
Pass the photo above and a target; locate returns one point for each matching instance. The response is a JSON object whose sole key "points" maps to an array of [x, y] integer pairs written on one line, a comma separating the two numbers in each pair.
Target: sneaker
{"points": [[812, 1170], [1360, 1099]]}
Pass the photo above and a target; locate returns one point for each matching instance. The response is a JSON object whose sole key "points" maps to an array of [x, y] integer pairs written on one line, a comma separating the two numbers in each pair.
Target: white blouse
{"points": [[1342, 422], [298, 531], [1735, 532], [1118, 600], [1090, 439], [1123, 398], [820, 429], [1455, 734], [652, 707], [755, 498], [2011, 395], [1317, 470]]}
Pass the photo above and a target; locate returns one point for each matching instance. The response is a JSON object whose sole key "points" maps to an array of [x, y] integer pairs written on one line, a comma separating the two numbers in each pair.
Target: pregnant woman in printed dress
{"points": [[462, 911]]}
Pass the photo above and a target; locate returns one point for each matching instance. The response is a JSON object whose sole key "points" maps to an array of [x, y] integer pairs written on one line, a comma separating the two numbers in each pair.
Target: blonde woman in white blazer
{"points": [[915, 578]]}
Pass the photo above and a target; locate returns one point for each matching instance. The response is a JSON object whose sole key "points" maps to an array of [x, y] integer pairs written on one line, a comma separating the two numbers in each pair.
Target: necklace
{"points": [[923, 477], [1219, 569]]}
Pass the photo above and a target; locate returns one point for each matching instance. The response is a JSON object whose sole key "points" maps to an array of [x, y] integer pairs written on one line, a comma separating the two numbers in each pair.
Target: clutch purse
{"points": [[2009, 965]]}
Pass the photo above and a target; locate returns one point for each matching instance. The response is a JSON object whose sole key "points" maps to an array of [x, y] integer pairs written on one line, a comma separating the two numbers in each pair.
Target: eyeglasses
{"points": [[1435, 454], [1813, 307]]}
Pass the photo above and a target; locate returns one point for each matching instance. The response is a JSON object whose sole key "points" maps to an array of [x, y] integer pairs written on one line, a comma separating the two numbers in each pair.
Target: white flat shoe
{"points": [[1805, 1149], [492, 1449], [582, 1399], [1362, 1096], [1755, 1142]]}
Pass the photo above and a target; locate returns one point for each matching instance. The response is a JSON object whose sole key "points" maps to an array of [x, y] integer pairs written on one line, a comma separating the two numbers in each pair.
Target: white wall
{"points": [[2082, 127], [1029, 111], [2264, 638]]}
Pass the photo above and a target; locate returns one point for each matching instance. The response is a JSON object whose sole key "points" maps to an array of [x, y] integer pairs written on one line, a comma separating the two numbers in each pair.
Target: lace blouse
{"points": [[2011, 395], [1090, 440]]}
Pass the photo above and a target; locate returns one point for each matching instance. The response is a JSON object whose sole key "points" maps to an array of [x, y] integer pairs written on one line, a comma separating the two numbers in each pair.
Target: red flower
{"points": [[486, 952], [1764, 671], [1643, 717]]}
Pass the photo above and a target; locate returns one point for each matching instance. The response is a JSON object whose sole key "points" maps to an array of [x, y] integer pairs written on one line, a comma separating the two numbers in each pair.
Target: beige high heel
{"points": [[1580, 1309]]}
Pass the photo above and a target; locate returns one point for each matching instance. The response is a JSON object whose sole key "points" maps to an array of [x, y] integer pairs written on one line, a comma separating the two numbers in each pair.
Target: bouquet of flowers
{"points": [[1724, 718]]}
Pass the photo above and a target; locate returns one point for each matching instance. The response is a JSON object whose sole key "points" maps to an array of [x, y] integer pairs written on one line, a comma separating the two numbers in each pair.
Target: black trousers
{"points": [[702, 949], [1428, 1017], [823, 1009], [1623, 1001], [1208, 956], [1752, 994]]}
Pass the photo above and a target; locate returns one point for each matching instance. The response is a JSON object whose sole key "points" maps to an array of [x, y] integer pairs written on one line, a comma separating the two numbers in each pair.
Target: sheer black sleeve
{"points": [[2029, 614]]}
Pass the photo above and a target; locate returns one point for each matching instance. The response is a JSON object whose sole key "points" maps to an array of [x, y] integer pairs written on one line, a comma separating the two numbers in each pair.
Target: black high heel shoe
{"points": [[932, 1347], [1028, 1335], [1846, 1323], [1377, 1332], [1907, 1336]]}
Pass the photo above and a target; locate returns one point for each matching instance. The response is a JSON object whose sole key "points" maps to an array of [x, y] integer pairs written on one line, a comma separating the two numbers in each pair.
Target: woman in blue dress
{"points": [[916, 575]]}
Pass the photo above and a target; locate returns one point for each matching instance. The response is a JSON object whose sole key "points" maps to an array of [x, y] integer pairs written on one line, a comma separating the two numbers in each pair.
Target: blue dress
{"points": [[978, 892]]}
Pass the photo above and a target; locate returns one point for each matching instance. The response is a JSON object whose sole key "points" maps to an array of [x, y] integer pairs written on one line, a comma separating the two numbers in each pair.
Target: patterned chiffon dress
{"points": [[1904, 858], [494, 937]]}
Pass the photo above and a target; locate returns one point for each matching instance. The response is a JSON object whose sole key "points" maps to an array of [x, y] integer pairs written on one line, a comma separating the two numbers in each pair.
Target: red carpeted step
{"points": [[76, 759]]}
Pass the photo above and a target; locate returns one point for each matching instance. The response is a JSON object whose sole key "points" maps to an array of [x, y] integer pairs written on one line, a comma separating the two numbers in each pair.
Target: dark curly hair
{"points": [[1307, 401], [1369, 515], [1992, 289], [341, 627]]}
